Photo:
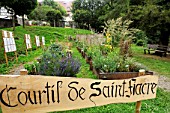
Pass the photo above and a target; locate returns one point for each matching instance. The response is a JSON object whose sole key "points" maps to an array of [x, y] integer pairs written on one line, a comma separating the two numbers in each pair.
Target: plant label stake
{"points": [[27, 40], [9, 44], [43, 41], [37, 41]]}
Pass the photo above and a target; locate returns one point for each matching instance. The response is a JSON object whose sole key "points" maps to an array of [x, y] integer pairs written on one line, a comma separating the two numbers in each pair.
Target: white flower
{"points": [[127, 66]]}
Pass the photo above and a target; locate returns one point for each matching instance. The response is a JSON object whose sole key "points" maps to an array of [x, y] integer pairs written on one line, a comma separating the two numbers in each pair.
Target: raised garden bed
{"points": [[118, 75]]}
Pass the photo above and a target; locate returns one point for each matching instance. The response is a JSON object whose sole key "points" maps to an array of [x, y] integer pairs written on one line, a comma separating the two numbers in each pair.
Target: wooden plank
{"points": [[16, 56], [138, 106], [23, 72], [4, 34], [25, 41], [37, 41], [39, 94], [6, 58]]}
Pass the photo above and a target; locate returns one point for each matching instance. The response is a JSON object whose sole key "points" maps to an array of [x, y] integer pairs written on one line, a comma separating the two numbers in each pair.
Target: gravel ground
{"points": [[164, 83]]}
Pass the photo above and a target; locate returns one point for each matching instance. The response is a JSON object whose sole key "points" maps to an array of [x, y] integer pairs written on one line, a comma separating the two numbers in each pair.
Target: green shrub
{"points": [[141, 38], [140, 42], [32, 68], [55, 63]]}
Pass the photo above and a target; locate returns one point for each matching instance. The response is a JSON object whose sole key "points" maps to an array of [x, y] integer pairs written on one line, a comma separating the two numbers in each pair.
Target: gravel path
{"points": [[164, 83], [16, 70]]}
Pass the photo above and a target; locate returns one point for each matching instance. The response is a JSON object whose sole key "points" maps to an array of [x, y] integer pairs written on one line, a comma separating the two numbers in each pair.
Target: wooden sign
{"points": [[40, 94], [37, 41], [9, 44], [43, 41], [28, 41]]}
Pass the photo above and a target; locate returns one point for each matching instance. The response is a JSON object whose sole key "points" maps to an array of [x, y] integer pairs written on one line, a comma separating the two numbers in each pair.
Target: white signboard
{"points": [[37, 40], [9, 44], [40, 94], [28, 41], [43, 41]]}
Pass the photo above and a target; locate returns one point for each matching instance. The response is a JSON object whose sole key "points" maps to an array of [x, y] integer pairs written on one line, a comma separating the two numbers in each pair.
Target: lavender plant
{"points": [[55, 63]]}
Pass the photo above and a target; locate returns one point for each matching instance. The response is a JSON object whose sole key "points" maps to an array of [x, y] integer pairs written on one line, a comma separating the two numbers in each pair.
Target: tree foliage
{"points": [[40, 12], [151, 16], [55, 6], [20, 7], [92, 10], [49, 11], [54, 16]]}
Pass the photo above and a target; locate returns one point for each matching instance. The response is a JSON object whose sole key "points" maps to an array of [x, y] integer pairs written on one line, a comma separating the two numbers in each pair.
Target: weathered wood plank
{"points": [[39, 94]]}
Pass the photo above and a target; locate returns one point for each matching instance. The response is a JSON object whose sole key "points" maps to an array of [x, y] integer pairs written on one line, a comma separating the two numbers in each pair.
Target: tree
{"points": [[82, 17], [152, 16], [92, 9], [40, 13], [55, 6], [54, 16], [49, 11], [20, 7], [50, 3]]}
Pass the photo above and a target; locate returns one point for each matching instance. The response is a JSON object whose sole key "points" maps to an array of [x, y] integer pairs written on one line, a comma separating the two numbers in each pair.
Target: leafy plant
{"points": [[90, 52], [55, 63], [32, 68], [121, 34], [140, 42]]}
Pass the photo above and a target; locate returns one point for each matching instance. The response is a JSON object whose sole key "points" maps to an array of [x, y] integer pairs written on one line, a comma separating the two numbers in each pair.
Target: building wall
{"points": [[68, 19], [5, 18], [5, 22]]}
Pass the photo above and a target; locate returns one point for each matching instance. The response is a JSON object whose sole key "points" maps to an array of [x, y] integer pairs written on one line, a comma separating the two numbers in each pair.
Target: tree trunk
{"points": [[128, 6], [54, 23], [23, 21], [164, 38], [13, 21]]}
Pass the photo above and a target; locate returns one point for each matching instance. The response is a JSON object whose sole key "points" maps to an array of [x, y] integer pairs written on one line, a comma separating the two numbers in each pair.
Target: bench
{"points": [[162, 50], [150, 47], [168, 49]]}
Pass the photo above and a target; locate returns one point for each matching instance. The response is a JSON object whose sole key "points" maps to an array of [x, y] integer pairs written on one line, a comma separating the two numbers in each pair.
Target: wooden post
{"points": [[16, 56], [23, 72], [138, 103], [35, 41], [138, 106], [25, 38], [6, 58]]}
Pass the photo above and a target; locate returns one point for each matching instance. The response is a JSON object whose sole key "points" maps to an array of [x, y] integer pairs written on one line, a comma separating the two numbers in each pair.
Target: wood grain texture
{"points": [[39, 94]]}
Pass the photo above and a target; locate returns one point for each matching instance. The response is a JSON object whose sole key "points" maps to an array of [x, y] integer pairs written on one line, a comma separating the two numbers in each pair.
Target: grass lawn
{"points": [[161, 104], [155, 63], [51, 35]]}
